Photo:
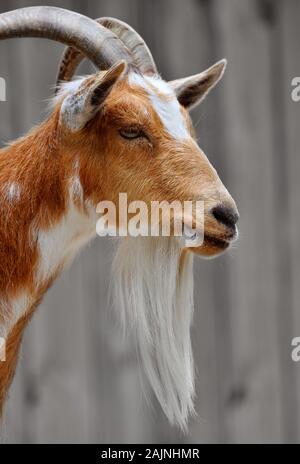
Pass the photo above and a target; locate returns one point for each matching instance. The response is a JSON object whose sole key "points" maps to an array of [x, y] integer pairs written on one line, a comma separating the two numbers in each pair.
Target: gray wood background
{"points": [[78, 380]]}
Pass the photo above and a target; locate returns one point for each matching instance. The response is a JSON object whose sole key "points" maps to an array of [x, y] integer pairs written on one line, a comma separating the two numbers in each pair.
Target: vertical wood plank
{"points": [[253, 409], [288, 155]]}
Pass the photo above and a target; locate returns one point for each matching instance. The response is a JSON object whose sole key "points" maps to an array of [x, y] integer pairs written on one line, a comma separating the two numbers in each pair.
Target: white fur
{"points": [[76, 187], [156, 301], [11, 191], [167, 107], [13, 310], [59, 244], [66, 88], [14, 191]]}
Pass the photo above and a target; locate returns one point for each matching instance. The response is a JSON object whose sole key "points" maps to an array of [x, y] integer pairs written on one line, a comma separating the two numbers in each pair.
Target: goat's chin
{"points": [[153, 286], [211, 248]]}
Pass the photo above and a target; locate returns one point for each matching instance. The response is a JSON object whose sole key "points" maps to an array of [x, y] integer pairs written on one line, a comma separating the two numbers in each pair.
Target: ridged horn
{"points": [[92, 40], [140, 53]]}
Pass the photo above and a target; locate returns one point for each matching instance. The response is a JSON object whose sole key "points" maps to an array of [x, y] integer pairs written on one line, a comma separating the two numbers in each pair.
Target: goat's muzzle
{"points": [[220, 230]]}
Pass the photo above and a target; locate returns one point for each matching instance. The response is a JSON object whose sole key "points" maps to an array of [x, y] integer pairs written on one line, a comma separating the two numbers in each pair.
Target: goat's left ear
{"points": [[80, 107], [192, 90]]}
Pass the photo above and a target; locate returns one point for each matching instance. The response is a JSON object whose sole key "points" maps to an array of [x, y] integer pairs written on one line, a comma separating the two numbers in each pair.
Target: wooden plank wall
{"points": [[78, 380]]}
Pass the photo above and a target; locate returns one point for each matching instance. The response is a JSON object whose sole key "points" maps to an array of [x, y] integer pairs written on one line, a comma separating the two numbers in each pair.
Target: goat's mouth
{"points": [[215, 241], [213, 245]]}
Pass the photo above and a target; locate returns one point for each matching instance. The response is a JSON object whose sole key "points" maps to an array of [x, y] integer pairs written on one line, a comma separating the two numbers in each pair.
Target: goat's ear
{"points": [[80, 107], [192, 90]]}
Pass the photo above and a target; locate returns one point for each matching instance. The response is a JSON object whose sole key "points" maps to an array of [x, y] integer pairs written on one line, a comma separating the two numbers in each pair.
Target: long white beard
{"points": [[154, 292]]}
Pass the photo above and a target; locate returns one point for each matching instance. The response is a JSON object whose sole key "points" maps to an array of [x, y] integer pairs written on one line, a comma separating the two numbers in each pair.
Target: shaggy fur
{"points": [[153, 287]]}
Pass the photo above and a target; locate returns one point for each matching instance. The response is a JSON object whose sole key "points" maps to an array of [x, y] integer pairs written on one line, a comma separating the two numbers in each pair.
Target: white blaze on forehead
{"points": [[164, 102]]}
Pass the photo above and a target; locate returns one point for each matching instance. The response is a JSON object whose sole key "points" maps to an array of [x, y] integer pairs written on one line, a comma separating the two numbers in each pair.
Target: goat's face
{"points": [[143, 144]]}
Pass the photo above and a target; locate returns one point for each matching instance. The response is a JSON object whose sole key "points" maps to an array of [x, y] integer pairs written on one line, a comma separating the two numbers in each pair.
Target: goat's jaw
{"points": [[213, 245]]}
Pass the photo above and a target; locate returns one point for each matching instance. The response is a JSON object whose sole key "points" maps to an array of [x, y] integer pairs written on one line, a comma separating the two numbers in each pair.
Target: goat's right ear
{"points": [[192, 90], [80, 107]]}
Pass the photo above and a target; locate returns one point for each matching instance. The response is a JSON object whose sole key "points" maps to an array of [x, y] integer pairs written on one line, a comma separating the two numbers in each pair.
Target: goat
{"points": [[122, 129]]}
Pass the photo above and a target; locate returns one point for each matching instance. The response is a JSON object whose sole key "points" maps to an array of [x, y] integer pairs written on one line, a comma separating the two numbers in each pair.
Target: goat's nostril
{"points": [[226, 215]]}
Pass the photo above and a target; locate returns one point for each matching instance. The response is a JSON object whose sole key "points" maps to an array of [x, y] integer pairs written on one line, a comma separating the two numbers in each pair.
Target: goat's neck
{"points": [[44, 220]]}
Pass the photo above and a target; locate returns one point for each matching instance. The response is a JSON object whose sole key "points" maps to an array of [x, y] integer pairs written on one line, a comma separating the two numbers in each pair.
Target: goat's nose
{"points": [[226, 215]]}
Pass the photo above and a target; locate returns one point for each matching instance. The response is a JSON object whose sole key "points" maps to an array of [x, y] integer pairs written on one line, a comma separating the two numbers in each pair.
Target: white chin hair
{"points": [[153, 288]]}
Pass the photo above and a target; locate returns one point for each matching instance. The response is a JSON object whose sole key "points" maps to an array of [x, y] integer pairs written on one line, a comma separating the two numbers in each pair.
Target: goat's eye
{"points": [[131, 133]]}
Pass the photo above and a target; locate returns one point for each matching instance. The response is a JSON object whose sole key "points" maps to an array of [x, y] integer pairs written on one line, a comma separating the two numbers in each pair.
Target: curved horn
{"points": [[140, 53], [96, 42], [134, 42]]}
